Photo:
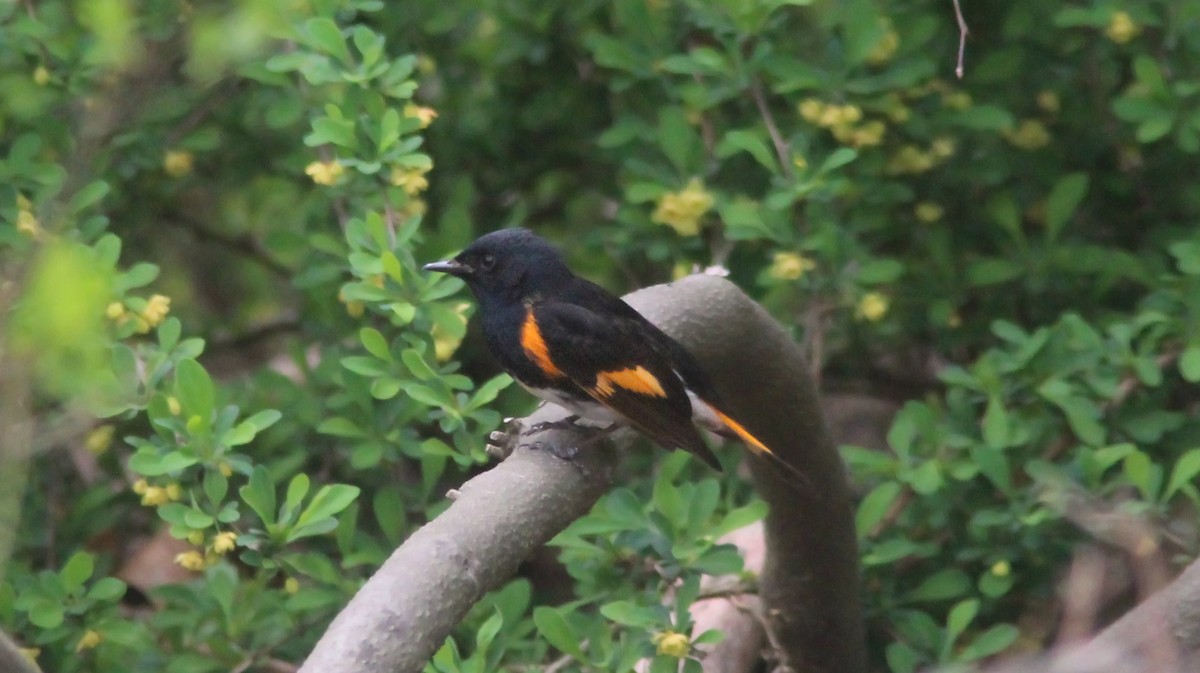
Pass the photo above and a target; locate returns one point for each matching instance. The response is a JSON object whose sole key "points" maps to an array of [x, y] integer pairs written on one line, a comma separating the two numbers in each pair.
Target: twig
{"points": [[781, 148], [245, 245], [962, 38]]}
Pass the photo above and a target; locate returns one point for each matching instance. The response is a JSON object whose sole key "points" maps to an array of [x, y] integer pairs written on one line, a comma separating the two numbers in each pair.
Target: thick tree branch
{"points": [[810, 579]]}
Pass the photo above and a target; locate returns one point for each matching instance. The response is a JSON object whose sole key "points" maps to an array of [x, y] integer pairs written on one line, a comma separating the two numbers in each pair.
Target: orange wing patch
{"points": [[636, 380], [742, 432], [535, 346]]}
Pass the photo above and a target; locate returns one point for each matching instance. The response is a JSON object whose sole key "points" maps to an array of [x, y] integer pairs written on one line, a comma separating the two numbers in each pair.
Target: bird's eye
{"points": [[487, 262]]}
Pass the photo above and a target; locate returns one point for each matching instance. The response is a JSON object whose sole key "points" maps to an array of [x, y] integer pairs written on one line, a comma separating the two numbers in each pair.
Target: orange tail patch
{"points": [[750, 440]]}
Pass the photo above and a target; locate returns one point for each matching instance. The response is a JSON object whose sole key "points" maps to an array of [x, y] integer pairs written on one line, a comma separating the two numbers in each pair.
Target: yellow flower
{"points": [[155, 496], [1029, 135], [41, 76], [867, 135], [426, 65], [1048, 101], [943, 147], [291, 585], [173, 406], [355, 309], [672, 644], [31, 653], [886, 47], [196, 537], [1001, 568], [23, 202], [412, 180], [1122, 28], [191, 560], [955, 319], [790, 266], [100, 439], [225, 542], [910, 159], [682, 210], [324, 172], [872, 306], [425, 114], [27, 223], [799, 162], [928, 211], [115, 310], [225, 469], [445, 345], [91, 638], [140, 486], [174, 491], [177, 163], [811, 109], [157, 308]]}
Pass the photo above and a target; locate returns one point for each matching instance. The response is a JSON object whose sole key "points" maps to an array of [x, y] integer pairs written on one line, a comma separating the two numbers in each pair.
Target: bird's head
{"points": [[508, 265]]}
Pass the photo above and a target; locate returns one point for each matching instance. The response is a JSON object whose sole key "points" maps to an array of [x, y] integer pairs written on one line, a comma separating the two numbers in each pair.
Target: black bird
{"points": [[573, 343]]}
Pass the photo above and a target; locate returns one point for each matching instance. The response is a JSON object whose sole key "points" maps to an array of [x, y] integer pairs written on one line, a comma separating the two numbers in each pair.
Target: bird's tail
{"points": [[756, 446]]}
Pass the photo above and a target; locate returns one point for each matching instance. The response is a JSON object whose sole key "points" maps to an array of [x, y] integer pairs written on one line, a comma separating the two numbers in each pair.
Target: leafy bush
{"points": [[213, 219]]}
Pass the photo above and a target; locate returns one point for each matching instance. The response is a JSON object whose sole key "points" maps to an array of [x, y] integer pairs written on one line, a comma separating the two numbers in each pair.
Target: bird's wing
{"points": [[614, 361]]}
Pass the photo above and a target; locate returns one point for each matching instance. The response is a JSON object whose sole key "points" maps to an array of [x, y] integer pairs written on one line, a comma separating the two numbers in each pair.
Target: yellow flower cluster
{"points": [[27, 222], [223, 543], [426, 115], [191, 560], [1048, 101], [872, 306], [41, 76], [156, 310], [928, 211], [153, 496], [842, 122], [1029, 135], [291, 586], [672, 644], [886, 48], [790, 266], [1001, 568], [177, 163], [411, 179], [99, 439], [325, 172], [682, 210], [910, 159], [1122, 28]]}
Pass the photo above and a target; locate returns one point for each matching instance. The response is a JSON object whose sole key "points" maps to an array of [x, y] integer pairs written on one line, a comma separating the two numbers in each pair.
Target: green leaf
{"points": [[46, 614], [960, 617], [753, 143], [416, 365], [874, 507], [324, 34], [993, 271], [1184, 473], [168, 333], [296, 490], [486, 633], [194, 389], [995, 423], [555, 629], [375, 344], [89, 195], [488, 391], [1062, 202], [1139, 470], [77, 570], [990, 642], [138, 275], [1189, 364], [242, 433], [106, 589], [631, 614], [676, 137], [942, 585], [259, 494], [329, 501], [740, 518]]}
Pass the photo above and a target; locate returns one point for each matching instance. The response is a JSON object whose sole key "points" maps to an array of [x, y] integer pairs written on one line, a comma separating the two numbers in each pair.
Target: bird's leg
{"points": [[569, 452], [560, 424]]}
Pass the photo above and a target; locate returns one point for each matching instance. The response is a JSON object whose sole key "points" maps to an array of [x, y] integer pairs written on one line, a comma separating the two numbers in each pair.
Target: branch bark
{"points": [[810, 581]]}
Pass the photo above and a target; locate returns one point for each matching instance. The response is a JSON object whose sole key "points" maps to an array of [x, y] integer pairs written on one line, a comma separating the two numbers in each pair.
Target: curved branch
{"points": [[810, 579]]}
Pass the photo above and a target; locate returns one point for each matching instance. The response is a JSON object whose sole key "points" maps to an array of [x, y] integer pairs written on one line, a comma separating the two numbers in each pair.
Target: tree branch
{"points": [[810, 578]]}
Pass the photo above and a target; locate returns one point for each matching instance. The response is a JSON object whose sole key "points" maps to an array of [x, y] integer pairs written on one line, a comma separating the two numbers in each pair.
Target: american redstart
{"points": [[573, 343]]}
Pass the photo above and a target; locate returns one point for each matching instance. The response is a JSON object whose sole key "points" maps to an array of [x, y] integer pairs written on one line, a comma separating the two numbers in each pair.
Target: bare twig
{"points": [[962, 38], [781, 147]]}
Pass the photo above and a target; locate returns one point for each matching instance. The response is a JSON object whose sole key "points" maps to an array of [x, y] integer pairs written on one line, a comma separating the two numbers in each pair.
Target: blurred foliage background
{"points": [[227, 391]]}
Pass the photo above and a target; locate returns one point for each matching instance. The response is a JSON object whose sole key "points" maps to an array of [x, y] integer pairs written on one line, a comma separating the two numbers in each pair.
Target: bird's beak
{"points": [[450, 266]]}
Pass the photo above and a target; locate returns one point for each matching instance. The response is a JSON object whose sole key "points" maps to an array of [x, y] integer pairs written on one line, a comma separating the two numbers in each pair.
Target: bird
{"points": [[573, 343]]}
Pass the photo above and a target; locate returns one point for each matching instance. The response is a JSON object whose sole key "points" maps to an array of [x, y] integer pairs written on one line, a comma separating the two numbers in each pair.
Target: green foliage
{"points": [[306, 395]]}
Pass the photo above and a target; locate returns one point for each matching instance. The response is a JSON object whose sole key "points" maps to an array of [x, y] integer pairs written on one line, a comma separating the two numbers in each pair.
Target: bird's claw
{"points": [[501, 443]]}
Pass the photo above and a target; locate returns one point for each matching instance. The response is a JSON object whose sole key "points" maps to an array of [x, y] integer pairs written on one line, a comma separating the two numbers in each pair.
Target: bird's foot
{"points": [[501, 443]]}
